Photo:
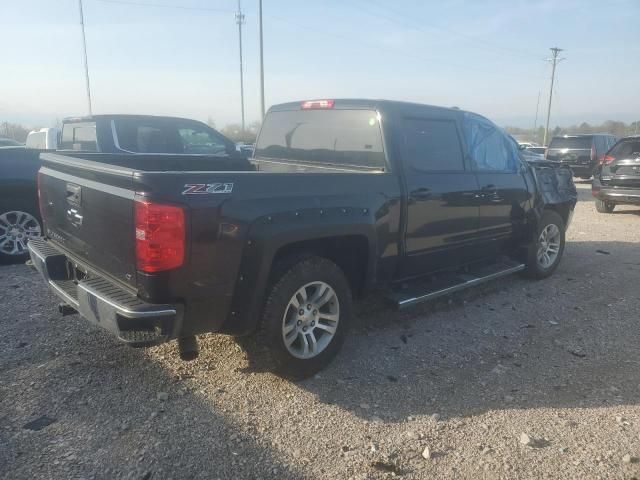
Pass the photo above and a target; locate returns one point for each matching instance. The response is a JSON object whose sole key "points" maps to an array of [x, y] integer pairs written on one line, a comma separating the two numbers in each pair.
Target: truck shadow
{"points": [[566, 342], [106, 405]]}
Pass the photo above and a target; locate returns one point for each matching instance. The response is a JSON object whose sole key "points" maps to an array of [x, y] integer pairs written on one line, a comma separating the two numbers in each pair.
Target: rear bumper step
{"points": [[104, 303], [429, 290]]}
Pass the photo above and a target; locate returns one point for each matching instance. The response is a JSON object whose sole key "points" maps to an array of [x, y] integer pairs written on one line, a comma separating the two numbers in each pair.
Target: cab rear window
{"points": [[79, 136], [336, 137]]}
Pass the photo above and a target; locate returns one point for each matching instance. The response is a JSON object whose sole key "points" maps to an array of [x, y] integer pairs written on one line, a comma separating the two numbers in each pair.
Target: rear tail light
{"points": [[160, 236], [310, 104], [607, 159]]}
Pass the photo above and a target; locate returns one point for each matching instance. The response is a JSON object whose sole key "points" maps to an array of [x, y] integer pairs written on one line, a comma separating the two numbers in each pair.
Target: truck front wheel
{"points": [[306, 317], [603, 206], [547, 246]]}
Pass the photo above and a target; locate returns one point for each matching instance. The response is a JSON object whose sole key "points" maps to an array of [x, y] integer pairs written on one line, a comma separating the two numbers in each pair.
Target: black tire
{"points": [[8, 217], [534, 269], [283, 287], [602, 206]]}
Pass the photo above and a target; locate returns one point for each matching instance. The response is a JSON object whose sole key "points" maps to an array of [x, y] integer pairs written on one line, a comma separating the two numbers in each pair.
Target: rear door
{"points": [[441, 214], [503, 194]]}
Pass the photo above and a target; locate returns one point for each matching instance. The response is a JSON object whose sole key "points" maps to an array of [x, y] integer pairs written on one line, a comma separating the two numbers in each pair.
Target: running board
{"points": [[425, 291]]}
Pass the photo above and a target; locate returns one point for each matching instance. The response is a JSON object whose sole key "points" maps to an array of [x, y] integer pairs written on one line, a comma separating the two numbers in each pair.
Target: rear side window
{"points": [[490, 149], [572, 142], [79, 136], [626, 149], [336, 137], [432, 145]]}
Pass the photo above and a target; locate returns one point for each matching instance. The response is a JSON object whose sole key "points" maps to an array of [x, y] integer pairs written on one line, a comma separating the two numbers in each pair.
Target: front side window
{"points": [[200, 141], [432, 145], [490, 149]]}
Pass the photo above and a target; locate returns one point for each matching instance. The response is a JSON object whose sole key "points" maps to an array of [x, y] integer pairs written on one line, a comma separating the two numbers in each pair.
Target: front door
{"points": [[442, 211], [503, 195]]}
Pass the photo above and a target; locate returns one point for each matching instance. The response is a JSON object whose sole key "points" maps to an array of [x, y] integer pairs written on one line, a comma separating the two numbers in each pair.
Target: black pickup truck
{"points": [[114, 133], [340, 197]]}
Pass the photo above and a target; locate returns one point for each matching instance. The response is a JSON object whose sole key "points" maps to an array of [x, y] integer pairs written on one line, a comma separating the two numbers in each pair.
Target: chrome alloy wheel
{"points": [[310, 320], [548, 245], [16, 228]]}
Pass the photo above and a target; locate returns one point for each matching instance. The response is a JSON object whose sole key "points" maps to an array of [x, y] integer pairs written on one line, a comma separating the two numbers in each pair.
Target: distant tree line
{"points": [[234, 130], [619, 129]]}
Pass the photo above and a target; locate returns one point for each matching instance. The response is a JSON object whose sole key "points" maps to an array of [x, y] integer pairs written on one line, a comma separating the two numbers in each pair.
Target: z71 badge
{"points": [[207, 188]]}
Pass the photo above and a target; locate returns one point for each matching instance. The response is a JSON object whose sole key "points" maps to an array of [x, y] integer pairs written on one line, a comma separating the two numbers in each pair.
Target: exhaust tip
{"points": [[188, 347]]}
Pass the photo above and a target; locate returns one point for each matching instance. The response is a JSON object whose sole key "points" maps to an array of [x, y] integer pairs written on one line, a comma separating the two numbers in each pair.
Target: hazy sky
{"points": [[484, 56]]}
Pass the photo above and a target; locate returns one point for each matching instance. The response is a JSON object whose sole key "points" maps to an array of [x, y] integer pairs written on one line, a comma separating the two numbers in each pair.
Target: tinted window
{"points": [[489, 147], [626, 149], [341, 137], [432, 145], [167, 136], [571, 142], [79, 136]]}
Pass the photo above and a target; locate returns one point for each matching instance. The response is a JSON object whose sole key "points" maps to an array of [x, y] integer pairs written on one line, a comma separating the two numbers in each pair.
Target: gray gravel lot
{"points": [[458, 381]]}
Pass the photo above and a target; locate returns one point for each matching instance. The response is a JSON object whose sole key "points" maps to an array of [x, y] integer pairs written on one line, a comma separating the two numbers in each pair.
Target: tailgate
{"points": [[625, 173], [88, 210]]}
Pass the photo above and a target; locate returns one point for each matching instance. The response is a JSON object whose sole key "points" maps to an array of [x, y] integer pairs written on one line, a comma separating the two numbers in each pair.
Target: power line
{"points": [[165, 5], [554, 61], [475, 42], [307, 28]]}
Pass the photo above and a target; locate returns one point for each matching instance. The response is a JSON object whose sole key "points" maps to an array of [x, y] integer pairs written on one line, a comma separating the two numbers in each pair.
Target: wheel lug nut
{"points": [[299, 322], [313, 323], [304, 329], [315, 312], [301, 311], [309, 307]]}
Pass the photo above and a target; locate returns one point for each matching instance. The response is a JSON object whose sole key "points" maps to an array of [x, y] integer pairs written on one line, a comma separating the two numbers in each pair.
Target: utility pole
{"points": [[261, 63], [240, 22], [86, 64], [535, 122], [554, 61]]}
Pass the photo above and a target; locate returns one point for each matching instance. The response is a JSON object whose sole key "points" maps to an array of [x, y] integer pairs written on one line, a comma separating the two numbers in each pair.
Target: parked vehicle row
{"points": [[582, 153], [617, 180], [341, 196]]}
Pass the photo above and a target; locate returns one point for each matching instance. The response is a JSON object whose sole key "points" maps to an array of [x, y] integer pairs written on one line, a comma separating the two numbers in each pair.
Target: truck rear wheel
{"points": [[18, 224], [547, 247], [306, 317], [603, 206]]}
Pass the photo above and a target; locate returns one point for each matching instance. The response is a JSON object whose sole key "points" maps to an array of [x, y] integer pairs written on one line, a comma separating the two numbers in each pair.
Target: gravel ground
{"points": [[515, 379]]}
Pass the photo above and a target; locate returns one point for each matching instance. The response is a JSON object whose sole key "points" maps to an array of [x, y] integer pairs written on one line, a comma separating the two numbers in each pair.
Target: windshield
{"points": [[337, 137], [571, 142], [167, 136]]}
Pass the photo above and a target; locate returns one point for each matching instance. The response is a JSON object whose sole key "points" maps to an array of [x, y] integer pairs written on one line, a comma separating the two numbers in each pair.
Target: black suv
{"points": [[618, 178], [582, 153]]}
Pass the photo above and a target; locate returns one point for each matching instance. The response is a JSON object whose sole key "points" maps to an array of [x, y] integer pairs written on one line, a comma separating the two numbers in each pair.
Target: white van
{"points": [[43, 139]]}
